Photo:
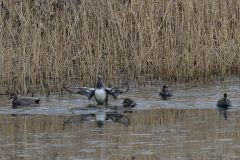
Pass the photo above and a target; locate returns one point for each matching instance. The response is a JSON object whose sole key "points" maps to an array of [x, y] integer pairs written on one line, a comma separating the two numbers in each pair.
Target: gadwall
{"points": [[224, 103], [99, 92], [165, 93], [27, 101]]}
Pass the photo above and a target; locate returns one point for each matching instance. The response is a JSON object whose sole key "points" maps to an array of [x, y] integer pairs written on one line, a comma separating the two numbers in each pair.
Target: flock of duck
{"points": [[101, 94]]}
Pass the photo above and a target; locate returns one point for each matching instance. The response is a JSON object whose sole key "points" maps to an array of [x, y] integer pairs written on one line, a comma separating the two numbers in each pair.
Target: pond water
{"points": [[186, 126]]}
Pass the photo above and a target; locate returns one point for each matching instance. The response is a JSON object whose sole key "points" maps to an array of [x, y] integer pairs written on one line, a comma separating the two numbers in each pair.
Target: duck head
{"points": [[99, 76], [165, 87], [13, 96], [99, 81], [225, 95]]}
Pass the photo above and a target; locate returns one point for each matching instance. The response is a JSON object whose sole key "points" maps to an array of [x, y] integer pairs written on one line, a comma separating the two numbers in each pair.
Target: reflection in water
{"points": [[100, 116], [172, 133], [224, 112]]}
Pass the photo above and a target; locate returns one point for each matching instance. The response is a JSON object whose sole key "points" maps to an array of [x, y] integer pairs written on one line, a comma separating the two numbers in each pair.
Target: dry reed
{"points": [[44, 44]]}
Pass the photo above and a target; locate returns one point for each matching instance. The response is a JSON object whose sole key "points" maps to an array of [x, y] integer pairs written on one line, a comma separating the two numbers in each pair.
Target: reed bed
{"points": [[44, 44]]}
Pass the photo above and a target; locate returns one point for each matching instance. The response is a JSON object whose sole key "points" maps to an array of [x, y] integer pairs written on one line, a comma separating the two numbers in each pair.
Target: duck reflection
{"points": [[224, 112], [100, 116]]}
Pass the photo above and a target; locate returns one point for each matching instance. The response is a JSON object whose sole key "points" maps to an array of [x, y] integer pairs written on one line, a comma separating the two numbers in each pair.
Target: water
{"points": [[187, 126]]}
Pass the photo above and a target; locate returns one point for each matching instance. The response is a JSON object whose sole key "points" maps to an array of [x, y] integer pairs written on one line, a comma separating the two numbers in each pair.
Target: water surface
{"points": [[186, 126]]}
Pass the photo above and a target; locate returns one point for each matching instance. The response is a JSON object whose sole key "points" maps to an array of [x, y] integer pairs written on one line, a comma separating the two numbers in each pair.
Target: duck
{"points": [[128, 103], [165, 93], [224, 103], [100, 92], [26, 101]]}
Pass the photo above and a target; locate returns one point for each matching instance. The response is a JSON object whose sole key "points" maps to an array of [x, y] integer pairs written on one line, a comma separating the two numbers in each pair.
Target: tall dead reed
{"points": [[44, 44]]}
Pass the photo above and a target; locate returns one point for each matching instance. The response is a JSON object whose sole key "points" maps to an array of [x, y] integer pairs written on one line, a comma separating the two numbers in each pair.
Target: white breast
{"points": [[100, 95]]}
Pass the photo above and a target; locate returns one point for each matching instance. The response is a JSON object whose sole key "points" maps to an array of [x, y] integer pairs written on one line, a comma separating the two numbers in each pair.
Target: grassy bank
{"points": [[43, 45]]}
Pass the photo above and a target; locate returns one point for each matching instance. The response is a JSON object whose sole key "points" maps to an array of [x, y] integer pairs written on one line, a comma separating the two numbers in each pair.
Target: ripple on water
{"points": [[88, 150], [145, 152], [224, 140]]}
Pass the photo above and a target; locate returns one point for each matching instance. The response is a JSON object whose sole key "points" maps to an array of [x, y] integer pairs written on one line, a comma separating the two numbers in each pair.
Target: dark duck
{"points": [[128, 103], [224, 103], [23, 101], [100, 93], [165, 93]]}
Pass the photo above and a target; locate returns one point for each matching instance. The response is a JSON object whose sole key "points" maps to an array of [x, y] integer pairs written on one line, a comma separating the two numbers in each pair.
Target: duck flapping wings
{"points": [[89, 92]]}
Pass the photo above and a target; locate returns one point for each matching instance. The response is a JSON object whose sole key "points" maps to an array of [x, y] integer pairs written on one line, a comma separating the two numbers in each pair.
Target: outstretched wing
{"points": [[116, 91], [89, 92]]}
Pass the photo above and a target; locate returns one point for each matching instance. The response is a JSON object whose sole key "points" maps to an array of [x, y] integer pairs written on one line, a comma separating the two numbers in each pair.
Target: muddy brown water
{"points": [[186, 126]]}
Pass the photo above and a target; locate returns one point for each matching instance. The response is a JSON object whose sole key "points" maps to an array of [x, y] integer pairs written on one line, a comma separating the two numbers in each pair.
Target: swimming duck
{"points": [[99, 92], [128, 103], [27, 101], [165, 93], [224, 103]]}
